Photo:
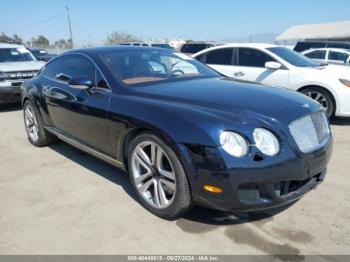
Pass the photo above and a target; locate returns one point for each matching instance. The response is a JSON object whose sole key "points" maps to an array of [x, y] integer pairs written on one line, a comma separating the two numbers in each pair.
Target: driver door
{"points": [[79, 113]]}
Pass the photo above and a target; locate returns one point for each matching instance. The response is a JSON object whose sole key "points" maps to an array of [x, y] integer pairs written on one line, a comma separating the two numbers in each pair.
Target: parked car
{"points": [[184, 138], [41, 54], [329, 55], [135, 43], [305, 45], [16, 65], [279, 66], [192, 48], [162, 45]]}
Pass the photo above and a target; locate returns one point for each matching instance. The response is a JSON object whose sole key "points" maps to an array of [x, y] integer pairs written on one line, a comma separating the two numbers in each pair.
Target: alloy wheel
{"points": [[31, 123], [153, 174], [320, 98]]}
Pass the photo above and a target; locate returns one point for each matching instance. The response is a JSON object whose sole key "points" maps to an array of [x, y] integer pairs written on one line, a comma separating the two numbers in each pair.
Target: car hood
{"points": [[21, 66], [339, 70], [226, 98], [331, 70]]}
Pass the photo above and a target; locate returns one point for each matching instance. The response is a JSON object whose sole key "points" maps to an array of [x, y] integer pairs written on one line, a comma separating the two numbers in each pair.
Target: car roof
{"points": [[114, 48], [326, 48], [232, 45], [5, 45]]}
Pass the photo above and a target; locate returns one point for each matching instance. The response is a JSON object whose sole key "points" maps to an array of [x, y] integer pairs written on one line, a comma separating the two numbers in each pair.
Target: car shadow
{"points": [[95, 165], [207, 216], [198, 214], [340, 121], [10, 107]]}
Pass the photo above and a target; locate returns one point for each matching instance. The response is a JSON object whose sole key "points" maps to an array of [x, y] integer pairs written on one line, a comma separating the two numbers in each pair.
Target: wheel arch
{"points": [[323, 88], [165, 138]]}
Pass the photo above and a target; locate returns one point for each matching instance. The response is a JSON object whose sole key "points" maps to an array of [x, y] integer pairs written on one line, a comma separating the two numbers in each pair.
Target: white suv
{"points": [[16, 65], [279, 66]]}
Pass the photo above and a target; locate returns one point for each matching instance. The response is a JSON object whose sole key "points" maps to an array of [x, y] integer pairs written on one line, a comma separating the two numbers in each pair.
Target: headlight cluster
{"points": [[236, 145], [345, 82]]}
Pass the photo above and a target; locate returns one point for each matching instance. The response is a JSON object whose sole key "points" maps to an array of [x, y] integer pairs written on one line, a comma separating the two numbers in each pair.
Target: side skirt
{"points": [[85, 148]]}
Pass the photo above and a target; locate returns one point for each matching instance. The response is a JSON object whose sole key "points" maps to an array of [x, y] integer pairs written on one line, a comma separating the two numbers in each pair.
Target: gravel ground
{"points": [[59, 200]]}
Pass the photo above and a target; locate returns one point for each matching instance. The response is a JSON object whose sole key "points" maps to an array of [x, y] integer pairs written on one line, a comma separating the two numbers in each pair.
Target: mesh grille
{"points": [[310, 132]]}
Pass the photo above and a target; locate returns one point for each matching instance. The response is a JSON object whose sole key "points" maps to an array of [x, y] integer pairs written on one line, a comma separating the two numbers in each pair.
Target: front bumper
{"points": [[342, 101], [10, 92], [254, 182]]}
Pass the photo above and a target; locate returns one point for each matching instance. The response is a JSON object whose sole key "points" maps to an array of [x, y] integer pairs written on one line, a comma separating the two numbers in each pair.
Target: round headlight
{"points": [[233, 143], [266, 142]]}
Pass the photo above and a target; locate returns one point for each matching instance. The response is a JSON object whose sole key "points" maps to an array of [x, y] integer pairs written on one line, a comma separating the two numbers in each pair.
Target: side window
{"points": [[220, 57], [338, 56], [253, 57], [69, 66], [201, 57], [317, 54]]}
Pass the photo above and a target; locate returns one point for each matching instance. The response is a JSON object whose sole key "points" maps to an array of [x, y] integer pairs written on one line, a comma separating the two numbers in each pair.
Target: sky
{"points": [[92, 20]]}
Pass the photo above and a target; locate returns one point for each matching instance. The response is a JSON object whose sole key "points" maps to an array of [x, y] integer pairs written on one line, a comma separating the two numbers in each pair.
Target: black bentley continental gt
{"points": [[185, 134]]}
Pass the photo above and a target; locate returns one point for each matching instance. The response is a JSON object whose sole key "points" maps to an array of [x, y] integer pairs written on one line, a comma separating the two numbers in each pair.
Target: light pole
{"points": [[70, 27]]}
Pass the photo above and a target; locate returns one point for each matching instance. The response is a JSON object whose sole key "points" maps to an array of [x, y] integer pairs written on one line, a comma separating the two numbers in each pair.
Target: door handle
{"points": [[240, 73]]}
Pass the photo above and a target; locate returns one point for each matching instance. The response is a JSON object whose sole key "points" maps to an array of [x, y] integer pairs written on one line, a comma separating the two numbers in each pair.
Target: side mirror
{"points": [[273, 65], [81, 82]]}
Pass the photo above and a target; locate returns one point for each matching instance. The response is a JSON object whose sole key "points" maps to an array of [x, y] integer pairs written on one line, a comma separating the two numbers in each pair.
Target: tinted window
{"points": [[252, 57], [338, 56], [20, 54], [292, 57], [317, 54], [70, 66], [148, 66], [219, 57], [194, 48]]}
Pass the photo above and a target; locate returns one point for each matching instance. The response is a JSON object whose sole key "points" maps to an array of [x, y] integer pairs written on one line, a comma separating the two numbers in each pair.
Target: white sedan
{"points": [[329, 55], [279, 66]]}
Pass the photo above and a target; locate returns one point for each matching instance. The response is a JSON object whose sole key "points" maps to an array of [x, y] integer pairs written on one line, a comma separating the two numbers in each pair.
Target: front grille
{"points": [[310, 132], [19, 75]]}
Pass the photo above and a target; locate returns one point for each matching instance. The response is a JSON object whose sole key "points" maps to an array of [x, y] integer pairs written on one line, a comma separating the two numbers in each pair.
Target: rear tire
{"points": [[36, 133], [323, 97], [158, 177]]}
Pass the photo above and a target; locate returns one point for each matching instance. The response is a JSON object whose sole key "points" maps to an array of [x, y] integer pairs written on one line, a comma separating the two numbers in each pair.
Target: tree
{"points": [[42, 42], [118, 37], [17, 39]]}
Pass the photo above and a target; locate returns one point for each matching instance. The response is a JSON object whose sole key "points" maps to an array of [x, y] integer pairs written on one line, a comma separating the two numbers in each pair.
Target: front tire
{"points": [[37, 135], [323, 97], [158, 177]]}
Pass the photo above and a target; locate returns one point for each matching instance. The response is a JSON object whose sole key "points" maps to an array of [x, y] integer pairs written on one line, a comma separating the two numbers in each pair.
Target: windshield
{"points": [[162, 46], [293, 57], [141, 67], [39, 52], [20, 54]]}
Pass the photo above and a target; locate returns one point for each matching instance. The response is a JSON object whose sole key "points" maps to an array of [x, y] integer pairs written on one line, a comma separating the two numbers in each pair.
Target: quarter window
{"points": [[317, 54], [338, 56], [253, 58]]}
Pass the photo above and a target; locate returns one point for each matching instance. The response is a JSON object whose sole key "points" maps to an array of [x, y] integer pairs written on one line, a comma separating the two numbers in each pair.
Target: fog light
{"points": [[212, 189]]}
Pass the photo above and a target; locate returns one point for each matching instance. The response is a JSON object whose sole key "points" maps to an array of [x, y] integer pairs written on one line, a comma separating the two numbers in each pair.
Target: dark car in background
{"points": [[185, 134], [41, 54], [305, 45], [192, 48]]}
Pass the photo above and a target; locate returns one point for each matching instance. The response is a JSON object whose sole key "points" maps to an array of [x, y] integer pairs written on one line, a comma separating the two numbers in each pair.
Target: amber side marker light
{"points": [[212, 189]]}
